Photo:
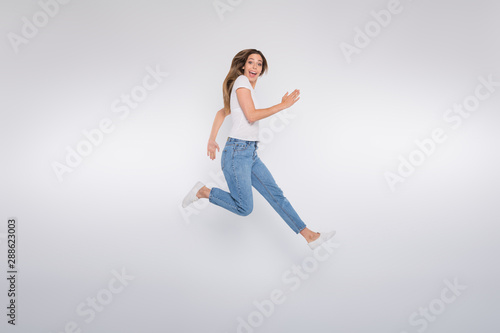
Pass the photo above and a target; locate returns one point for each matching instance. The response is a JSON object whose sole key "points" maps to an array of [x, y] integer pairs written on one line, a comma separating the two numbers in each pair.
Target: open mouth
{"points": [[252, 74]]}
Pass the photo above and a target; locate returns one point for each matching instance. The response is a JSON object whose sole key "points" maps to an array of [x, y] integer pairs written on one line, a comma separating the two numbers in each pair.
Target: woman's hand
{"points": [[211, 147], [289, 100]]}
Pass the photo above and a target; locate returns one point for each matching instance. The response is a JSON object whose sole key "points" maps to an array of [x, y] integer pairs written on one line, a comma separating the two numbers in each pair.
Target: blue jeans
{"points": [[243, 169]]}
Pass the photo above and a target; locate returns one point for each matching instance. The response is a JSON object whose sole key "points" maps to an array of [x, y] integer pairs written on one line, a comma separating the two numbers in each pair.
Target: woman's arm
{"points": [[212, 145], [252, 114]]}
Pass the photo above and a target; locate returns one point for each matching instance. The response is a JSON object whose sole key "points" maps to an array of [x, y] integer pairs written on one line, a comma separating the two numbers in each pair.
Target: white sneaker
{"points": [[191, 196], [323, 237]]}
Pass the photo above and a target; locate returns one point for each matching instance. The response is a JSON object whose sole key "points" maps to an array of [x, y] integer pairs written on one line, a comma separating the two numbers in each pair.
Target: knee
{"points": [[245, 211]]}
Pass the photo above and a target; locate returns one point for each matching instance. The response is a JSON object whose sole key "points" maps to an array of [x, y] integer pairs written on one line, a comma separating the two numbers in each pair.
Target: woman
{"points": [[240, 163]]}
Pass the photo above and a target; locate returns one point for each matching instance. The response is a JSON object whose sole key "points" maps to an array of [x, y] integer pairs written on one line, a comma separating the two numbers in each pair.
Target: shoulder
{"points": [[242, 77], [242, 80]]}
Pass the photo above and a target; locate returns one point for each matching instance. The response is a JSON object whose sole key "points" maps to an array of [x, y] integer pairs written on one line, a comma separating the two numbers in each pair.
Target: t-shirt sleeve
{"points": [[242, 82]]}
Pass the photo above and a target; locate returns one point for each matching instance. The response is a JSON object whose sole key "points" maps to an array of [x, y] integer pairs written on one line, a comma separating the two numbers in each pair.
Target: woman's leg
{"points": [[307, 233], [243, 168], [264, 182], [236, 162]]}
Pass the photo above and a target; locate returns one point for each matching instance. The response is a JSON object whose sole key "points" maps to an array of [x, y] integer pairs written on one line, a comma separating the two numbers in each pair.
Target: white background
{"points": [[198, 270]]}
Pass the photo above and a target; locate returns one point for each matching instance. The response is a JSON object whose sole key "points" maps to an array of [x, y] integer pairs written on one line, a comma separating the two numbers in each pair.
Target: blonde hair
{"points": [[236, 70]]}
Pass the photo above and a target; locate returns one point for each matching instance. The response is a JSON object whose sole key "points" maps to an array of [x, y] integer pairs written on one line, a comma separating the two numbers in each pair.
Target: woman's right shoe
{"points": [[191, 196], [323, 237]]}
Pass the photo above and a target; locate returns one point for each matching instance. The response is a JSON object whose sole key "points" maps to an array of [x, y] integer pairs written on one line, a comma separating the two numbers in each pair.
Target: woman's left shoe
{"points": [[323, 237], [191, 196]]}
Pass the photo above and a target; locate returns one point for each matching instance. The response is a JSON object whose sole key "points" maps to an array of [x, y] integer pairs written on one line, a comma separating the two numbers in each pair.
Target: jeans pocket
{"points": [[223, 158]]}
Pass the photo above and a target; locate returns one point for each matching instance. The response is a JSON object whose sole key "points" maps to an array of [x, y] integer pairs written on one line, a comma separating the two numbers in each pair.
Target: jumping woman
{"points": [[240, 163]]}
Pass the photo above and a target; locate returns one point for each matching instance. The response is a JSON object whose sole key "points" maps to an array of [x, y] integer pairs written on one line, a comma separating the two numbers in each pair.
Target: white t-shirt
{"points": [[242, 128]]}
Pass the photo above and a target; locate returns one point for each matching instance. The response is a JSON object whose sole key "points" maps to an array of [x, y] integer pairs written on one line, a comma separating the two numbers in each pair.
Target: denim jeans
{"points": [[243, 169]]}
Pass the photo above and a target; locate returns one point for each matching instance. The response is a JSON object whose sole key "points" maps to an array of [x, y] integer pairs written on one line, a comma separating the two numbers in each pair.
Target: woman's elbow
{"points": [[252, 117]]}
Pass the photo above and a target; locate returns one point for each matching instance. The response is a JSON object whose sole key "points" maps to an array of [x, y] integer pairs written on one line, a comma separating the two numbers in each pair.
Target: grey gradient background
{"points": [[121, 207]]}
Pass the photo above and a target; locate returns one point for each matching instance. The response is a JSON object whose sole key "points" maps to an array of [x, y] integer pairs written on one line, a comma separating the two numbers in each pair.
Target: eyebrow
{"points": [[254, 59]]}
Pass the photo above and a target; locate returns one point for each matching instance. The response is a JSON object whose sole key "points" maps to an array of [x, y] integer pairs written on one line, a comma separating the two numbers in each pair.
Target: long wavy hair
{"points": [[239, 61]]}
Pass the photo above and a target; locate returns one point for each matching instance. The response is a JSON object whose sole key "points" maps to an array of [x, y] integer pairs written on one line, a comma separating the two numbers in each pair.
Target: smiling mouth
{"points": [[253, 73]]}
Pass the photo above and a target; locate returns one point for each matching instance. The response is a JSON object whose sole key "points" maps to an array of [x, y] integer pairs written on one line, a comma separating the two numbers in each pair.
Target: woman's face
{"points": [[253, 67]]}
